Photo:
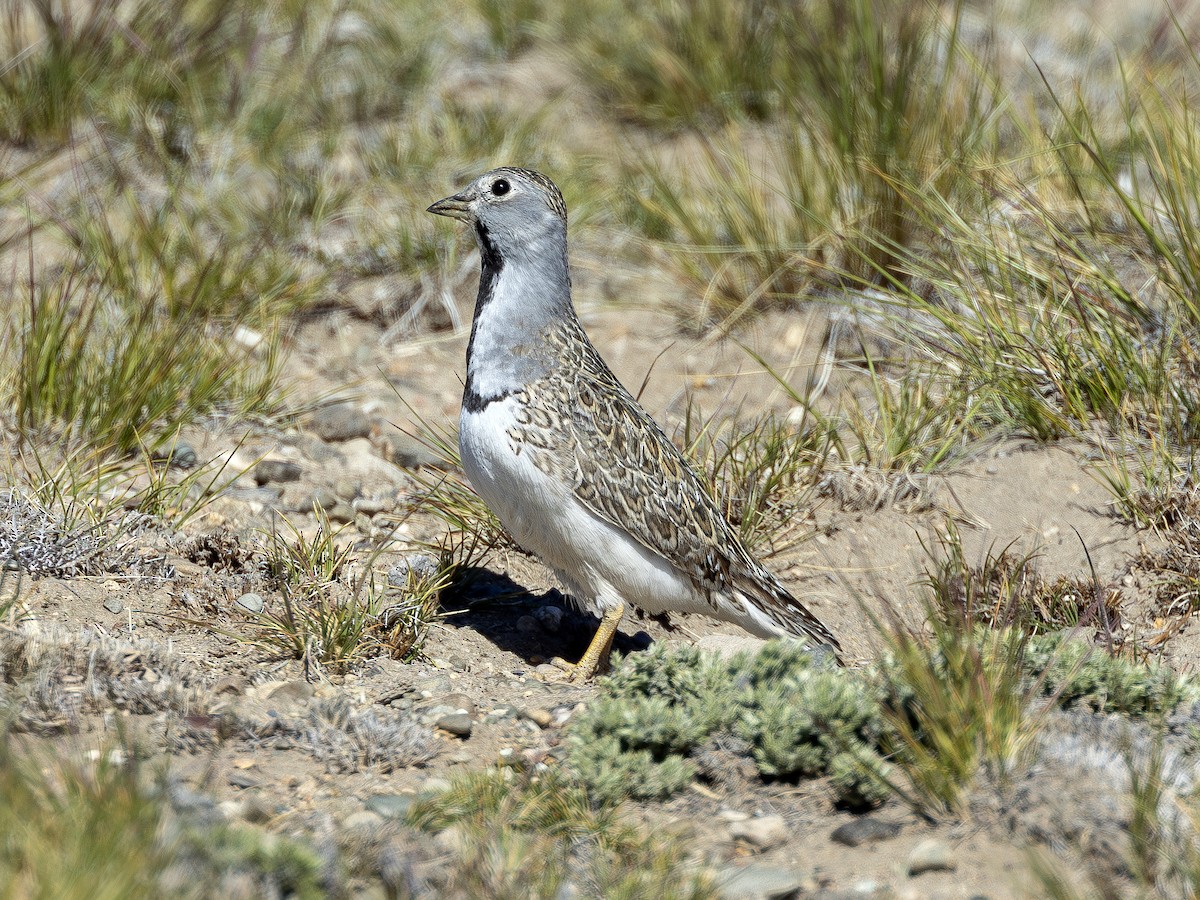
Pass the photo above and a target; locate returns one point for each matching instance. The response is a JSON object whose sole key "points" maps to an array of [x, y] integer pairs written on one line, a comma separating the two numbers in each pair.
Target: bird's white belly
{"points": [[599, 563]]}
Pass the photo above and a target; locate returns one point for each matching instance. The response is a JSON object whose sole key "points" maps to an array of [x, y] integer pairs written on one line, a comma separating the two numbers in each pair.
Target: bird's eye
{"points": [[500, 187]]}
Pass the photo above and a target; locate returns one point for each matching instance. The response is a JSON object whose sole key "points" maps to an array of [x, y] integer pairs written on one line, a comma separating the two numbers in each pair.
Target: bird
{"points": [[575, 470]]}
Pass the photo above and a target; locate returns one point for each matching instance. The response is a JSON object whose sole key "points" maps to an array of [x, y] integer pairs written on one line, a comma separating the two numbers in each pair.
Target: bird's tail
{"points": [[776, 613]]}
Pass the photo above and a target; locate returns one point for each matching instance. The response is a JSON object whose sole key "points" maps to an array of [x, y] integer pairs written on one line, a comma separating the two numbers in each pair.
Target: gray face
{"points": [[509, 209]]}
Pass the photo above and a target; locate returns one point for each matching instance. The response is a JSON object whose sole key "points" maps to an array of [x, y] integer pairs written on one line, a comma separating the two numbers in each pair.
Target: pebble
{"points": [[242, 780], [340, 422], [341, 512], [415, 565], [369, 506], [550, 617], [181, 456], [348, 488], [364, 819], [250, 602], [528, 624], [543, 718], [459, 703], [185, 800], [864, 831], [428, 688], [759, 882], [323, 497], [409, 453], [763, 832], [114, 605], [389, 806], [931, 855], [451, 840], [276, 470], [292, 691], [458, 724], [256, 811]]}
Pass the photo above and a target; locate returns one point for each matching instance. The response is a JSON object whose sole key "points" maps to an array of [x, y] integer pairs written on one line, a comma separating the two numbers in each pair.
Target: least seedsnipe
{"points": [[570, 463]]}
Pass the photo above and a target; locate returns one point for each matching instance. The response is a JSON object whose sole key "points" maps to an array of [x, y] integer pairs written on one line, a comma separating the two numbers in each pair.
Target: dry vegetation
{"points": [[993, 207]]}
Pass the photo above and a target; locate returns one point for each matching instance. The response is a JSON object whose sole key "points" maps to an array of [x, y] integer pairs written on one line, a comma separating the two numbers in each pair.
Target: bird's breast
{"points": [[506, 473]]}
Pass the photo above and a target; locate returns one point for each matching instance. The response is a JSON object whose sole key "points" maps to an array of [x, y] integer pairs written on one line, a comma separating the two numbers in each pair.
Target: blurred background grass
{"points": [[998, 198]]}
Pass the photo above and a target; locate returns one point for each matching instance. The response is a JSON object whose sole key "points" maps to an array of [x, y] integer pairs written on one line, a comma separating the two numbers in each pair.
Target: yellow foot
{"points": [[595, 659]]}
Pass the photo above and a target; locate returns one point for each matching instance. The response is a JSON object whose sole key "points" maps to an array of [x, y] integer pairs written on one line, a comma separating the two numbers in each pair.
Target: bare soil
{"points": [[488, 653]]}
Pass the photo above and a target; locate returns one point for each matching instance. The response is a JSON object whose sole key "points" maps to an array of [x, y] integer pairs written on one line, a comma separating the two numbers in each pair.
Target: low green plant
{"points": [[522, 835], [761, 472], [1078, 674], [692, 62], [1004, 590], [78, 831], [335, 609], [326, 616], [660, 706], [117, 375], [106, 829], [954, 705], [657, 707], [512, 27], [917, 422]]}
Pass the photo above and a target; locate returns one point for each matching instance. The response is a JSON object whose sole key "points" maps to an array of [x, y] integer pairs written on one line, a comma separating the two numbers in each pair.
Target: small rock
{"points": [[458, 724], [114, 605], [185, 800], [389, 806], [348, 488], [256, 811], [250, 602], [429, 688], [341, 512], [247, 337], [931, 855], [550, 617], [758, 882], [763, 832], [369, 506], [292, 691], [459, 703], [276, 470], [364, 819], [340, 422], [451, 840], [543, 718], [409, 453], [181, 456], [864, 831], [415, 566], [528, 624], [322, 497], [242, 780]]}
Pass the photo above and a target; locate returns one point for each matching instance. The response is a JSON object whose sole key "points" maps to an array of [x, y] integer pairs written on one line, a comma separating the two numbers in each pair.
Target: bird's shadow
{"points": [[493, 605]]}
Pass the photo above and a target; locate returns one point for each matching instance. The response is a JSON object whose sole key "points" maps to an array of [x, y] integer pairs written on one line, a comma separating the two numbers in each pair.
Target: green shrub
{"points": [[662, 705], [1078, 674]]}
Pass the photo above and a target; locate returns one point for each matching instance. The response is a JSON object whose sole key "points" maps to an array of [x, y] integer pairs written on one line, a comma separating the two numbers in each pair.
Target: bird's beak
{"points": [[455, 207]]}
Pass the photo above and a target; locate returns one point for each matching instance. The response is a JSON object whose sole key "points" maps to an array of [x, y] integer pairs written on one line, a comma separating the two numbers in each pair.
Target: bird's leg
{"points": [[595, 658]]}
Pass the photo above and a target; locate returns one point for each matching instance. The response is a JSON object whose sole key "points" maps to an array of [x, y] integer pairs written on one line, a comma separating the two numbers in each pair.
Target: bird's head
{"points": [[510, 209]]}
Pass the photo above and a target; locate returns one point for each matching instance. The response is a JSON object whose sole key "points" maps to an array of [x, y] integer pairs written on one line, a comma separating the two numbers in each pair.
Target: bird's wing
{"points": [[629, 473]]}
